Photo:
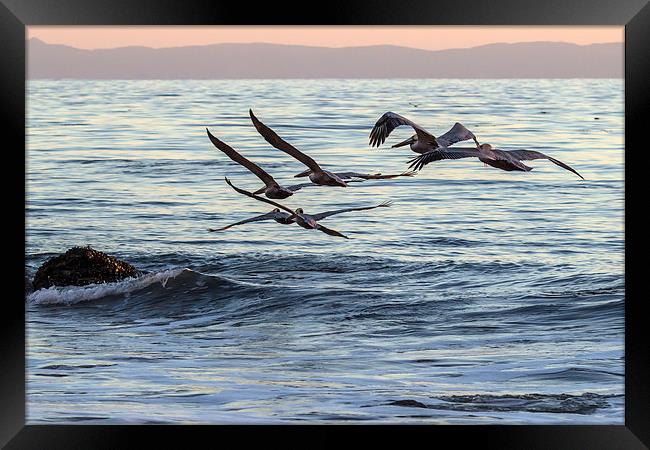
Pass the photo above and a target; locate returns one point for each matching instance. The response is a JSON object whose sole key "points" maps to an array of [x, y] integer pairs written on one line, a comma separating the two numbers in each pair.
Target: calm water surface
{"points": [[480, 296]]}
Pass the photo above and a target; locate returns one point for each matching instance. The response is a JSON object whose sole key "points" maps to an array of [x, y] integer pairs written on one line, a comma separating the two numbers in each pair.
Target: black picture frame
{"points": [[15, 15]]}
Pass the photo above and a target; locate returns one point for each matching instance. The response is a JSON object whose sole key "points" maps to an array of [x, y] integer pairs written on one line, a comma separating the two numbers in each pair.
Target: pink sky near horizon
{"points": [[423, 37]]}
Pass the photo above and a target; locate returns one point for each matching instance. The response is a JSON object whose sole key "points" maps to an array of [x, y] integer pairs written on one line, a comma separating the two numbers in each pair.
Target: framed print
{"points": [[236, 220]]}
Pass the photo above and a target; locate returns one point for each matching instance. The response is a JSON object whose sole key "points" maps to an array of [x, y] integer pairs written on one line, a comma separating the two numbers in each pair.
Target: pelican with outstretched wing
{"points": [[286, 218], [315, 173], [276, 214], [302, 220], [422, 141], [501, 159], [271, 189], [323, 215]]}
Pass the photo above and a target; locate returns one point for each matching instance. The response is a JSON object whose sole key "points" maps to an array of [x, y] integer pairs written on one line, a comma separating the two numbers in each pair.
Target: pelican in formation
{"points": [[315, 173], [508, 160], [429, 147], [298, 216], [435, 149], [271, 189], [317, 176], [422, 141], [285, 218]]}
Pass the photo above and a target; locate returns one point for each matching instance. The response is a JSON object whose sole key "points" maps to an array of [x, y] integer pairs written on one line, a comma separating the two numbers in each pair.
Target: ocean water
{"points": [[479, 297]]}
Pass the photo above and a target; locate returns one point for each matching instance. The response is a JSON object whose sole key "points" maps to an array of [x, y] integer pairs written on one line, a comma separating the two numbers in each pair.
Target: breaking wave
{"points": [[76, 294]]}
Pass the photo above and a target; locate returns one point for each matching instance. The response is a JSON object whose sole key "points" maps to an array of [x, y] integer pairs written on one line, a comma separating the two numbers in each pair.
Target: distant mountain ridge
{"points": [[258, 60]]}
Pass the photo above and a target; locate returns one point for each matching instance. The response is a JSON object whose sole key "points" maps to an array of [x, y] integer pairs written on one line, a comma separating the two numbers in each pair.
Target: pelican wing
{"points": [[239, 159], [350, 175], [268, 216], [376, 176], [528, 155], [276, 141], [323, 215], [297, 187], [330, 231], [457, 133], [438, 154], [389, 121]]}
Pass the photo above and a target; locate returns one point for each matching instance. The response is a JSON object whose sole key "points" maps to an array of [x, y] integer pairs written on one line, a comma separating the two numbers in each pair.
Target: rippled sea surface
{"points": [[480, 296]]}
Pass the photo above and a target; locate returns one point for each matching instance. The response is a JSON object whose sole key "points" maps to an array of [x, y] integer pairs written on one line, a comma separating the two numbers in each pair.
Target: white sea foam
{"points": [[76, 294]]}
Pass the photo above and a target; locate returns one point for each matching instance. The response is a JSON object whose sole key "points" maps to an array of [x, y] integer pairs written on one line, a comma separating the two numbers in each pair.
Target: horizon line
{"points": [[326, 47]]}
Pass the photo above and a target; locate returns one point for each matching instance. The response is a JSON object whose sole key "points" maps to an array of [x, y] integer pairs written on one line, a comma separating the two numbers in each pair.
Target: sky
{"points": [[423, 37]]}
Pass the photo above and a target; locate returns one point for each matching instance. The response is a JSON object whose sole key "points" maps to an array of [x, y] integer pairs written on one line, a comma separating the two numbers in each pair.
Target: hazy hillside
{"points": [[522, 60]]}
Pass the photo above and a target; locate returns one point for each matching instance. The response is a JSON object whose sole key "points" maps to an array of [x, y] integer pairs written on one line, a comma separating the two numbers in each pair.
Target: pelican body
{"points": [[326, 178]]}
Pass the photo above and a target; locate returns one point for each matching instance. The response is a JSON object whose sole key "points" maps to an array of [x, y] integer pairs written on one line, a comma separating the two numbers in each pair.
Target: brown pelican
{"points": [[501, 159], [276, 214], [287, 219], [304, 221], [317, 175], [422, 141], [272, 188]]}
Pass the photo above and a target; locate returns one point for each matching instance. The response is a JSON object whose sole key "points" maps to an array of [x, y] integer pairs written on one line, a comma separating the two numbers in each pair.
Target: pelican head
{"points": [[410, 141], [485, 147], [276, 210], [299, 211]]}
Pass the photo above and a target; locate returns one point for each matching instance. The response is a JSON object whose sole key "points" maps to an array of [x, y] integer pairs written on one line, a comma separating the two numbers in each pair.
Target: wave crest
{"points": [[70, 295]]}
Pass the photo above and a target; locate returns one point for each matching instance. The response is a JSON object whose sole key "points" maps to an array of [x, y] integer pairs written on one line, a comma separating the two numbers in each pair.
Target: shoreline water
{"points": [[487, 296]]}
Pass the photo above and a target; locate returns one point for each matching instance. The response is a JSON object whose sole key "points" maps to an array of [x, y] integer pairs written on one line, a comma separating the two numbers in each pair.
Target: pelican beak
{"points": [[303, 174], [403, 143]]}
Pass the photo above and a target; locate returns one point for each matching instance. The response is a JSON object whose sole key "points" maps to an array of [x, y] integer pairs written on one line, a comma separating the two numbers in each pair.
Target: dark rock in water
{"points": [[408, 403], [80, 266]]}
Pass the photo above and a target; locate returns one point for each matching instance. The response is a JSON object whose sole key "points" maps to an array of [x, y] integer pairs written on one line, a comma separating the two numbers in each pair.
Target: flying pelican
{"points": [[422, 141], [304, 221], [276, 214], [287, 219], [317, 175], [272, 188], [501, 159]]}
